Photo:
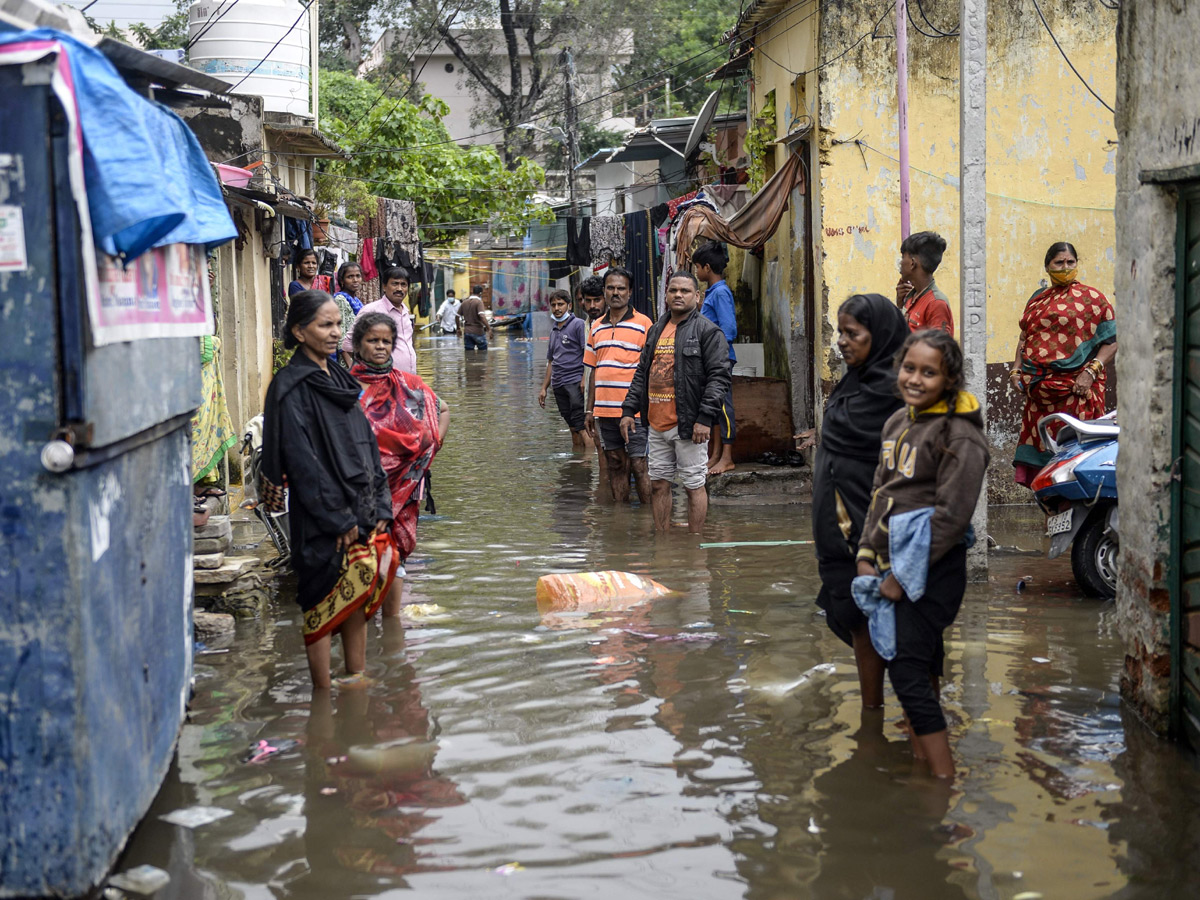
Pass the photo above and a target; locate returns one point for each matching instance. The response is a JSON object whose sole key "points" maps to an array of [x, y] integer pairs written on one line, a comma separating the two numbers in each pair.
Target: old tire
{"points": [[1094, 558]]}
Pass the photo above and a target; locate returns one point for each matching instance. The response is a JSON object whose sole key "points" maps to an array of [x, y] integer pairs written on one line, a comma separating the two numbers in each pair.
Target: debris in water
{"points": [[423, 612], [1027, 895], [262, 750], [812, 826], [196, 816], [1040, 659], [508, 869], [141, 880], [329, 791]]}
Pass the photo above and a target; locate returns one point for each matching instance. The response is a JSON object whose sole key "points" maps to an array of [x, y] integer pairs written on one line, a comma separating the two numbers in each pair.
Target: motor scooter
{"points": [[1077, 490]]}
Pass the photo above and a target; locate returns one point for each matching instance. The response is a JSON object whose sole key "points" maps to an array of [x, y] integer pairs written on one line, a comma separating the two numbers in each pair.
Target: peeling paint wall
{"points": [[1159, 76], [1051, 164]]}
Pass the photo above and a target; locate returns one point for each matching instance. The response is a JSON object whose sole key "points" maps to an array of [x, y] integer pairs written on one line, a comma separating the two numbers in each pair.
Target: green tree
{"points": [[400, 148]]}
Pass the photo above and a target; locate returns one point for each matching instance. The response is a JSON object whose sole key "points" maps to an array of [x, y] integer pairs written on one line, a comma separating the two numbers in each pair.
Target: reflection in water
{"points": [[705, 745]]}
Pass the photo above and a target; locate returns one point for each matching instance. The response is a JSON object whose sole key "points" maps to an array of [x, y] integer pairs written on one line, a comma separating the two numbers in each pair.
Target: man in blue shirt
{"points": [[564, 367], [709, 263]]}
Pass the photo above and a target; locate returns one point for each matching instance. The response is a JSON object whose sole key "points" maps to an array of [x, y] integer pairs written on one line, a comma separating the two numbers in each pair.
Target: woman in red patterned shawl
{"points": [[1068, 338], [409, 421]]}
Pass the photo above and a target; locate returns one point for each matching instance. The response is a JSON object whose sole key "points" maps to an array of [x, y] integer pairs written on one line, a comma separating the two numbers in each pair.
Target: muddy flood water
{"points": [[706, 745]]}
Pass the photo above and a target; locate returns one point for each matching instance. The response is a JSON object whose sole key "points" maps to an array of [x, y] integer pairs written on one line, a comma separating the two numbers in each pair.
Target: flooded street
{"points": [[707, 745]]}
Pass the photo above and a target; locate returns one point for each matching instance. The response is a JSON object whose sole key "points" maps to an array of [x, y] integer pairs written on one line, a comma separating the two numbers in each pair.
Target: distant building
{"points": [[444, 77]]}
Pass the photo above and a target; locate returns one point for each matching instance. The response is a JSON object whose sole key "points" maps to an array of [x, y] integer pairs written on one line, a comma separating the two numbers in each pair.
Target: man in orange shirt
{"points": [[917, 294], [678, 389], [613, 349]]}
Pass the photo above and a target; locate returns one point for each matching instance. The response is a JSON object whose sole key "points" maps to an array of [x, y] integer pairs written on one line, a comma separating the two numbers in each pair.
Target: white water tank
{"points": [[264, 42]]}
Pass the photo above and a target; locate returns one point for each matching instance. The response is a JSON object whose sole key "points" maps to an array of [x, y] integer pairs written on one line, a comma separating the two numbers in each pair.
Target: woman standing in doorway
{"points": [[316, 440], [1068, 338], [306, 277]]}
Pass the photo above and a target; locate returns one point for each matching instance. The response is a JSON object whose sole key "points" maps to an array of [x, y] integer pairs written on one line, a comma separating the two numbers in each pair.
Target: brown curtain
{"points": [[752, 225]]}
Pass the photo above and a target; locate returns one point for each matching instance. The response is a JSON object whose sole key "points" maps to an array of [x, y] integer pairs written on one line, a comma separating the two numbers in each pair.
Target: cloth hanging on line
{"points": [[673, 205], [579, 241], [400, 225], [751, 226], [608, 239], [639, 260], [519, 286], [659, 215]]}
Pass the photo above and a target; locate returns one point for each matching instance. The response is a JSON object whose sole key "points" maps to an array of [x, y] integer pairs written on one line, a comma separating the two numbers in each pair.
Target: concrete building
{"points": [[444, 77], [824, 84], [1158, 251]]}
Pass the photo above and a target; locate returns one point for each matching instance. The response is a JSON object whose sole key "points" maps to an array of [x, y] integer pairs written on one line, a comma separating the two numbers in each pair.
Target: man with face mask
{"points": [[564, 367]]}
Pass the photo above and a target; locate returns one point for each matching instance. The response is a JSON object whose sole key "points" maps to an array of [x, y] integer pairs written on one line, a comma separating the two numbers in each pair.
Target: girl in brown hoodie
{"points": [[934, 456]]}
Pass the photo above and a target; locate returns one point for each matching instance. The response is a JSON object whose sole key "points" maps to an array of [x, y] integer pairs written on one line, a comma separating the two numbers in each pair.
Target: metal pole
{"points": [[972, 310], [668, 97], [902, 105], [572, 121]]}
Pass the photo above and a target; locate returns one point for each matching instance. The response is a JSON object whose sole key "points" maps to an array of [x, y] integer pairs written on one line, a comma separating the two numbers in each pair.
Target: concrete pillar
{"points": [[972, 312]]}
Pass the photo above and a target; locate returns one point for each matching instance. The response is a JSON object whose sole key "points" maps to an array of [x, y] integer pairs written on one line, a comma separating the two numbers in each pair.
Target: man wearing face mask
{"points": [[917, 294], [564, 367]]}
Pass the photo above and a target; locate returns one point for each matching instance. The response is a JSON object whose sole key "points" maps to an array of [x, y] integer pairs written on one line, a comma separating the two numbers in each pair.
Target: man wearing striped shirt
{"points": [[613, 349]]}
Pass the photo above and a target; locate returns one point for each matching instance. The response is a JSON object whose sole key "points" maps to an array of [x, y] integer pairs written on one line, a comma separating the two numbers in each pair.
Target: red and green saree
{"points": [[1063, 329], [403, 412]]}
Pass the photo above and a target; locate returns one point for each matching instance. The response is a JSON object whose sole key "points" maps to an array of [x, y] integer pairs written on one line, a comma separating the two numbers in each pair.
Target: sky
{"points": [[126, 12]]}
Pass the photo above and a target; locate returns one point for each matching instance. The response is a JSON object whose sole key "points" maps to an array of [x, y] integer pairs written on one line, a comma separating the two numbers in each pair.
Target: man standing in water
{"points": [[448, 313], [475, 325], [564, 367], [612, 353], [678, 390]]}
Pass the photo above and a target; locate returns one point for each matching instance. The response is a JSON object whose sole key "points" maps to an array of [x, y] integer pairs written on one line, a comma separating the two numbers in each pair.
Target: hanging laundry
{"points": [[659, 215], [608, 239], [639, 260], [579, 241], [366, 260], [400, 225], [748, 228], [673, 205]]}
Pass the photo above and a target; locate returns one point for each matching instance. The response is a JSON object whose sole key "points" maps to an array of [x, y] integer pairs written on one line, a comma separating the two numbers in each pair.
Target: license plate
{"points": [[1059, 523]]}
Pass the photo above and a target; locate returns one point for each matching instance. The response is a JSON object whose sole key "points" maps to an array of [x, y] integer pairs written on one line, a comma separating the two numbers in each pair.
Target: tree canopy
{"points": [[400, 148]]}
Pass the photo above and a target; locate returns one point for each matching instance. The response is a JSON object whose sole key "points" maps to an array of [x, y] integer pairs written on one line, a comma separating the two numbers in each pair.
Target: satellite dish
{"points": [[707, 111]]}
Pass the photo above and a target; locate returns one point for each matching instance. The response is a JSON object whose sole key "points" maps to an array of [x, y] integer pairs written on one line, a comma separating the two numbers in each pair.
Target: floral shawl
{"points": [[403, 412]]}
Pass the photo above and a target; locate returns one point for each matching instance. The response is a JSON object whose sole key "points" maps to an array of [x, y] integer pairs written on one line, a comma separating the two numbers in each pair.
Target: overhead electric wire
{"points": [[217, 15], [940, 33], [362, 148], [275, 46], [1082, 80]]}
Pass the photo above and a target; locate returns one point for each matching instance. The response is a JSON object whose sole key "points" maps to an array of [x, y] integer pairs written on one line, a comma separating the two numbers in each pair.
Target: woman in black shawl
{"points": [[870, 331], [317, 441]]}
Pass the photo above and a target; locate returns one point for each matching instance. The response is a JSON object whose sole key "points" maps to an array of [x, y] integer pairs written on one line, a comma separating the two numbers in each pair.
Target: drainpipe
{"points": [[902, 106]]}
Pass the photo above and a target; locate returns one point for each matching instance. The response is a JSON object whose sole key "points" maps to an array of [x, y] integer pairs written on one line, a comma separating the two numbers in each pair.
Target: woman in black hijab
{"points": [[870, 330], [316, 437]]}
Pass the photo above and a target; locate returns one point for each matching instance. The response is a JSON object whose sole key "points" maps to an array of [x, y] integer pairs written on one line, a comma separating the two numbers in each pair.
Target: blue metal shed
{"points": [[96, 544]]}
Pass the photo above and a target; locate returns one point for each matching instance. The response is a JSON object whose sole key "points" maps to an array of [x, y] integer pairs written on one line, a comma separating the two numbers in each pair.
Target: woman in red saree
{"points": [[410, 423], [1068, 337]]}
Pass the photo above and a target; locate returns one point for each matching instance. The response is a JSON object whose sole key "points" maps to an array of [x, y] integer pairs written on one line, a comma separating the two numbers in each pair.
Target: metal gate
{"points": [[1185, 600]]}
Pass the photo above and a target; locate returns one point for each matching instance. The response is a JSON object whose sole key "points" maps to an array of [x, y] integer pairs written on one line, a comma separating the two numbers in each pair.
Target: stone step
{"points": [[208, 560], [208, 625], [217, 527], [205, 546], [232, 569]]}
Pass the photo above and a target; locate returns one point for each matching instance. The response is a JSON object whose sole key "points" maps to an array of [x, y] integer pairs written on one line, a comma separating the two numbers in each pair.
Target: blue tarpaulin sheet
{"points": [[148, 181]]}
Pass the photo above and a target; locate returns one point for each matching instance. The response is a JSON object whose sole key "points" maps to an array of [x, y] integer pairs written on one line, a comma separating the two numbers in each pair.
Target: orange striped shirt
{"points": [[612, 353]]}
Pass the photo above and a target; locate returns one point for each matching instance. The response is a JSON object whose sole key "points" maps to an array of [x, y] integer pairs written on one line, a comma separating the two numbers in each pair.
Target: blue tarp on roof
{"points": [[148, 181]]}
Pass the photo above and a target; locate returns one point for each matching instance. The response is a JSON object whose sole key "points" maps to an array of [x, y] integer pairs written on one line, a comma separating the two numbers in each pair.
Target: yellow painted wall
{"points": [[1050, 167]]}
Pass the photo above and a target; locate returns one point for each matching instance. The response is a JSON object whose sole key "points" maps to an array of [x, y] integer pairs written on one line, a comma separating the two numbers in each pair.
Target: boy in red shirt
{"points": [[917, 294]]}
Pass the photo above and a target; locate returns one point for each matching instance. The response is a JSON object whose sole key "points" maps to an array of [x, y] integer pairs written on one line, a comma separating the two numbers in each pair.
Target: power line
{"points": [[939, 32], [1082, 80], [216, 16], [303, 13], [601, 96]]}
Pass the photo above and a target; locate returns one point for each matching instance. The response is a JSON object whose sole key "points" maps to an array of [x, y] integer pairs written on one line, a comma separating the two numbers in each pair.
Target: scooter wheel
{"points": [[1094, 558]]}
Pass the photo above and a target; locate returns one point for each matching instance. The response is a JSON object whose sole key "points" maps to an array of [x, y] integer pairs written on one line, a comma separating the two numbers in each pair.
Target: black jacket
{"points": [[701, 373]]}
